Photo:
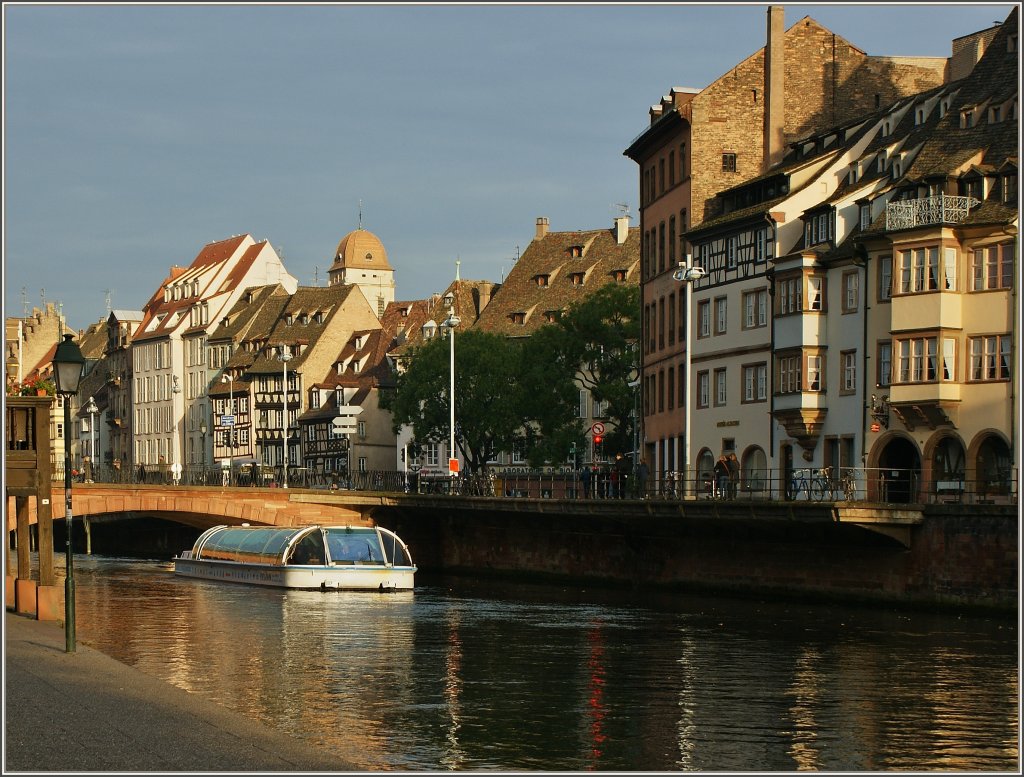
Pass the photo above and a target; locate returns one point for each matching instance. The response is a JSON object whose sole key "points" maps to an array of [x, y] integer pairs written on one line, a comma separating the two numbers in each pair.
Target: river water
{"points": [[470, 675]]}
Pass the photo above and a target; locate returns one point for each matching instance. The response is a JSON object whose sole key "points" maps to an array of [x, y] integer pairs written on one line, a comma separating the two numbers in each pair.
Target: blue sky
{"points": [[136, 134]]}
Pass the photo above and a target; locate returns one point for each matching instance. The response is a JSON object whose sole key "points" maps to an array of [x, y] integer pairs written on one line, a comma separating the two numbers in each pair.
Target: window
{"points": [[919, 270], [720, 387], [815, 375], [992, 267], [917, 360], [990, 357], [851, 291], [865, 216], [884, 364], [728, 163], [672, 241], [815, 293], [682, 161], [1009, 183], [583, 403], [755, 383], [790, 294], [704, 319], [789, 374], [721, 315], [966, 119], [672, 319], [730, 252], [849, 376], [885, 278], [755, 309], [703, 388]]}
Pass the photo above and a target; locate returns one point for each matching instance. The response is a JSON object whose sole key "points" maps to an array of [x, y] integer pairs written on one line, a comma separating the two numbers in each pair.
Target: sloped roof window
{"points": [[575, 252], [619, 276], [542, 279], [551, 316], [577, 278], [518, 317]]}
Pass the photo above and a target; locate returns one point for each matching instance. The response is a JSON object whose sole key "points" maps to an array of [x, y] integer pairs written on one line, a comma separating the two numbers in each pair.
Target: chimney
{"points": [[542, 228], [621, 229], [774, 88]]}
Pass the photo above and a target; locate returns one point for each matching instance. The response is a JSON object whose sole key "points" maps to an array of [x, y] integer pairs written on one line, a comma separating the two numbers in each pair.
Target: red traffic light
{"points": [[597, 439]]}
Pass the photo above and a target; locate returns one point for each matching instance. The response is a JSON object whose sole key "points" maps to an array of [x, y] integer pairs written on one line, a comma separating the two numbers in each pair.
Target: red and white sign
{"points": [[597, 428], [453, 465], [875, 428]]}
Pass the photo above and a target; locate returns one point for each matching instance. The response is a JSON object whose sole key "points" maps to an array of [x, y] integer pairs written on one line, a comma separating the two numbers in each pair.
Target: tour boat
{"points": [[367, 558]]}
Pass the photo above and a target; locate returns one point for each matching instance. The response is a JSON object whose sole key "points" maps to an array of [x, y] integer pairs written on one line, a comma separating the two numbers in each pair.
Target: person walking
{"points": [[641, 478], [721, 473], [734, 474], [585, 476]]}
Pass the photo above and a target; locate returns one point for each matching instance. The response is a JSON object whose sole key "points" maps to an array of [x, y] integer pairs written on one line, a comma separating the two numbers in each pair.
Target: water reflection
{"points": [[465, 675]]}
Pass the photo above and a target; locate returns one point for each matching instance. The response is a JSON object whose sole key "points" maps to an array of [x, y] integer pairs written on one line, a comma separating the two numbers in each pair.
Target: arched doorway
{"points": [[786, 469], [992, 467], [705, 471], [754, 472], [899, 471]]}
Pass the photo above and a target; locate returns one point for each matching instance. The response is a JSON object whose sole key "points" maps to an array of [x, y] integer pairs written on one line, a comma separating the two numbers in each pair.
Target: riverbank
{"points": [[84, 711]]}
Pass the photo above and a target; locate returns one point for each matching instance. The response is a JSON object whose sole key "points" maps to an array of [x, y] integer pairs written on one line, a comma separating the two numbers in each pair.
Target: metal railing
{"points": [[847, 484], [939, 209]]}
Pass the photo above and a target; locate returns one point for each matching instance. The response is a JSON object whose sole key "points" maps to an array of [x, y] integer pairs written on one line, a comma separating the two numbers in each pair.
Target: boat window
{"points": [[309, 550], [244, 544], [354, 546], [395, 550]]}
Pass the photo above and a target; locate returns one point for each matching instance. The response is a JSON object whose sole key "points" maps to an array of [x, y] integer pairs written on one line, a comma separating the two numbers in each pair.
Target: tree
{"points": [[598, 339], [486, 418]]}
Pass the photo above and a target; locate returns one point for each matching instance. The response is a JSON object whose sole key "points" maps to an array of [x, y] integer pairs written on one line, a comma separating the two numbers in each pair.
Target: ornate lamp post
{"points": [[285, 357], [225, 378], [68, 364], [687, 274], [450, 323], [92, 410]]}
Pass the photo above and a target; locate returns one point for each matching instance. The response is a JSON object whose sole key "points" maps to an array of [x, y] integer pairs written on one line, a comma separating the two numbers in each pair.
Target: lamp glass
{"points": [[68, 364]]}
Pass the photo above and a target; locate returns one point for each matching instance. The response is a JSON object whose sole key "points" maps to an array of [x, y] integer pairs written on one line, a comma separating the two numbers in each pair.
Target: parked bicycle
{"points": [[815, 483]]}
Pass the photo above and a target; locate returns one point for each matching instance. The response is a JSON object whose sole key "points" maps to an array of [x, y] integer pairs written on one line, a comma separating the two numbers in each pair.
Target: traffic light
{"points": [[598, 439]]}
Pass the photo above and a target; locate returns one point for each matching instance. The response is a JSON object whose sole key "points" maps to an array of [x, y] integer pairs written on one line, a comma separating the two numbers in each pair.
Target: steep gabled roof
{"points": [[558, 270]]}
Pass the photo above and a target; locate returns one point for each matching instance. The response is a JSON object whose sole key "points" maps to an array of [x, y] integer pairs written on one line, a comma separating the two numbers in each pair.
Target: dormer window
{"points": [[359, 343], [318, 317], [966, 119], [943, 107], [619, 276], [405, 312], [854, 175], [575, 252], [357, 365], [1010, 188], [919, 116], [865, 216], [882, 161], [542, 280], [886, 128], [551, 316], [304, 319], [518, 317], [995, 114], [577, 278]]}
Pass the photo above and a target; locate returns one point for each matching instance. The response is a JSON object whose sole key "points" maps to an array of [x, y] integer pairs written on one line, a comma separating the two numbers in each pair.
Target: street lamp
{"points": [[285, 357], [91, 409], [225, 378], [687, 274], [68, 364], [175, 465], [450, 323], [203, 429]]}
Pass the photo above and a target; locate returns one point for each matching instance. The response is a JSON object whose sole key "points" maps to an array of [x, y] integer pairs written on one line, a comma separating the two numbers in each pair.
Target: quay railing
{"points": [[845, 484]]}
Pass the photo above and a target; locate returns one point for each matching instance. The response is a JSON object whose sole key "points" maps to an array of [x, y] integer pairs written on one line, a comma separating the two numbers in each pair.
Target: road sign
{"points": [[453, 465], [343, 425], [597, 428], [227, 420], [349, 410]]}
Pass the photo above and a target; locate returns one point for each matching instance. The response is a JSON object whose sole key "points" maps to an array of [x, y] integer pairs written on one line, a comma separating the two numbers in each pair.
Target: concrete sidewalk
{"points": [[84, 711]]}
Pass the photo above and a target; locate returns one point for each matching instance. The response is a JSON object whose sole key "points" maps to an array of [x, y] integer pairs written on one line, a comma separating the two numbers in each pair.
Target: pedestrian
{"points": [[641, 478], [721, 473], [734, 474], [585, 477], [142, 473], [621, 475]]}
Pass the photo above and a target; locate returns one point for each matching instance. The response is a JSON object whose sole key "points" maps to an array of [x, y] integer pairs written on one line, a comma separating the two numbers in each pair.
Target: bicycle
{"points": [[816, 487]]}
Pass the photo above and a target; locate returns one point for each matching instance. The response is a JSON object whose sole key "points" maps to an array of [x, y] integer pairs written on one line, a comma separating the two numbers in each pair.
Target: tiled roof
{"points": [[549, 277]]}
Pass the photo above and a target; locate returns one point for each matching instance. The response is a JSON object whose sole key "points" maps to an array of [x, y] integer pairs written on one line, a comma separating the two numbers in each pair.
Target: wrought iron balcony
{"points": [[940, 209]]}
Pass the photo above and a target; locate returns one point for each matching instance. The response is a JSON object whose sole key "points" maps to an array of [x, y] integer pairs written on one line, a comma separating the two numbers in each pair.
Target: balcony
{"points": [[940, 209]]}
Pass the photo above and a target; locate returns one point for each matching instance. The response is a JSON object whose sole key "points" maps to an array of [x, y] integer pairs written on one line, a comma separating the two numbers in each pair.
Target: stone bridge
{"points": [[206, 506]]}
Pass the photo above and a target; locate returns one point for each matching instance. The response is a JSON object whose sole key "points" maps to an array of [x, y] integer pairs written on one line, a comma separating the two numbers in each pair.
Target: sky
{"points": [[135, 134]]}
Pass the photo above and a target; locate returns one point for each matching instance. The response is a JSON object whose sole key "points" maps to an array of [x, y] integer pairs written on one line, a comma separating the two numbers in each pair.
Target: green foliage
{"points": [[513, 394]]}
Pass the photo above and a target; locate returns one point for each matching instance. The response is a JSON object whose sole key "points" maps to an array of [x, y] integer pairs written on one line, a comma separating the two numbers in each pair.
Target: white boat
{"points": [[366, 558]]}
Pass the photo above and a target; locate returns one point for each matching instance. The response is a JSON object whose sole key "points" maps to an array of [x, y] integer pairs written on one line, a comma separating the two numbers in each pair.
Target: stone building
{"points": [[701, 142], [360, 260]]}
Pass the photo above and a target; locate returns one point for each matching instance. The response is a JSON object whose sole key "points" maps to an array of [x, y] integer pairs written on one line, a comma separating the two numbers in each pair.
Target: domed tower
{"points": [[360, 260]]}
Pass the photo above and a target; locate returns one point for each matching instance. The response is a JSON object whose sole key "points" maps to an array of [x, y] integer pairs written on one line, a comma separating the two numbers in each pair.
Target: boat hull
{"points": [[356, 577]]}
